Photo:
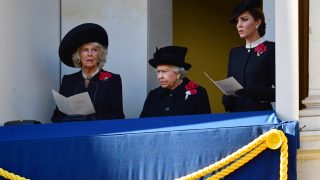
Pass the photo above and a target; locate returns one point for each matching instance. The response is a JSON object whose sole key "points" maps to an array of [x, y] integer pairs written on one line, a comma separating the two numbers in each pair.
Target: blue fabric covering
{"points": [[147, 148]]}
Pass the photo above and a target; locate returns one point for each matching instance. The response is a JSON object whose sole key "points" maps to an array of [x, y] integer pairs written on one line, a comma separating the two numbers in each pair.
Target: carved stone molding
{"points": [[309, 145]]}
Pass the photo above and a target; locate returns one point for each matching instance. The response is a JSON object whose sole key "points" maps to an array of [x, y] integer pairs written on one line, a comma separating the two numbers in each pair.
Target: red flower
{"points": [[191, 86], [260, 49], [103, 76], [191, 89]]}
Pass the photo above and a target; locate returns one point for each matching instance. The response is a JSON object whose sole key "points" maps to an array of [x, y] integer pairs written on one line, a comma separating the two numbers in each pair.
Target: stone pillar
{"points": [[29, 68], [159, 33], [309, 117], [308, 157], [287, 59]]}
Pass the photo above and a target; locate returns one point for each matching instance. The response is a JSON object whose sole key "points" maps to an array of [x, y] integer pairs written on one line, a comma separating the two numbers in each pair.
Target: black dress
{"points": [[105, 94], [166, 102], [254, 69]]}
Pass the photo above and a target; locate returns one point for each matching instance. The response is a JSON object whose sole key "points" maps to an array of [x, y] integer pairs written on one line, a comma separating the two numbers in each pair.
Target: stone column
{"points": [[308, 157], [29, 68], [309, 117], [287, 59]]}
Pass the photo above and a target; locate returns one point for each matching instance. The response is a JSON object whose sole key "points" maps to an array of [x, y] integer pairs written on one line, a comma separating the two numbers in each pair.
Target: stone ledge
{"points": [[310, 112], [309, 123], [308, 154], [309, 145]]}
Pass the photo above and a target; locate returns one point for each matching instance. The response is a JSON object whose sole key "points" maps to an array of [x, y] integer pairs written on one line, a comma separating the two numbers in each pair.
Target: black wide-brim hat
{"points": [[79, 35], [244, 6], [170, 55]]}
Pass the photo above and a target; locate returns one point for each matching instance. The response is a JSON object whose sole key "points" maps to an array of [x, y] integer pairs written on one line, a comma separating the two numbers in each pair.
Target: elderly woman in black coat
{"points": [[252, 65], [85, 47], [177, 95]]}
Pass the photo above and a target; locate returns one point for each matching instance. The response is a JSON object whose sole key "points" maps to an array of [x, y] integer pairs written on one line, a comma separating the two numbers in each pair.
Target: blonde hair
{"points": [[102, 59]]}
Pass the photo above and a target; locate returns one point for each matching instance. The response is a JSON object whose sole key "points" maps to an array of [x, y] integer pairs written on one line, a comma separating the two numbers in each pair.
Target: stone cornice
{"points": [[309, 145]]}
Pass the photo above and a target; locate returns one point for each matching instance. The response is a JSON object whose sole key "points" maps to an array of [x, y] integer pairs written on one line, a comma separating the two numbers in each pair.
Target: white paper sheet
{"points": [[76, 104], [228, 86]]}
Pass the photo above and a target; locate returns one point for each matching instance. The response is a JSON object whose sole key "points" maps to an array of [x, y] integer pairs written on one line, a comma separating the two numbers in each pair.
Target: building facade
{"points": [[31, 32]]}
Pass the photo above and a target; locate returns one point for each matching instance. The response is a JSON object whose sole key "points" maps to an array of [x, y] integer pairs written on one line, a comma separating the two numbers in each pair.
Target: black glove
{"points": [[76, 117], [247, 92], [21, 122], [257, 93], [228, 102]]}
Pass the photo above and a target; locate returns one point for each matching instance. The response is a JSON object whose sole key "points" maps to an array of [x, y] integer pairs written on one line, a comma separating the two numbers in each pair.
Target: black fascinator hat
{"points": [[79, 35], [172, 55], [244, 6]]}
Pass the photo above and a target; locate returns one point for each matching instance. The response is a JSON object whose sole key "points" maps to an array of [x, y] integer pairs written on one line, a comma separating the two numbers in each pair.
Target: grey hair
{"points": [[181, 71], [102, 59]]}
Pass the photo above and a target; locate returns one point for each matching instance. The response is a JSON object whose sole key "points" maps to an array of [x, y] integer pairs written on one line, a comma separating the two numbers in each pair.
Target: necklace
{"points": [[89, 76]]}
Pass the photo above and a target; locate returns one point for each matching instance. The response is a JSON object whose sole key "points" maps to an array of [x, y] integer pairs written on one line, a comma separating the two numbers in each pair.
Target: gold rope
{"points": [[273, 139], [9, 175]]}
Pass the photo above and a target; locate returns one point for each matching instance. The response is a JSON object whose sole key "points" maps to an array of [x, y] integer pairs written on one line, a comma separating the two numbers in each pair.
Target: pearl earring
{"points": [[257, 26]]}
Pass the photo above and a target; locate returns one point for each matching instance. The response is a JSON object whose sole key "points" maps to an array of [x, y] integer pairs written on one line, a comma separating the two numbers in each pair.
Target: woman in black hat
{"points": [[252, 65], [85, 47], [177, 95]]}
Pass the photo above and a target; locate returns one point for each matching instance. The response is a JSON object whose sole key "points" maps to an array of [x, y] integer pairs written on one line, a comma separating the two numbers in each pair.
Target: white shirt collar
{"points": [[89, 76], [256, 43]]}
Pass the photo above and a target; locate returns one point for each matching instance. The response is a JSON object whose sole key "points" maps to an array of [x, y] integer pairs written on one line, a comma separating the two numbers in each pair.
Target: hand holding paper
{"points": [[77, 104], [228, 86]]}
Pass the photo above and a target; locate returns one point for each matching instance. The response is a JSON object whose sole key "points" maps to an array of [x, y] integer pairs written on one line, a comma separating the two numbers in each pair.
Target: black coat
{"points": [[106, 96], [256, 73], [166, 102]]}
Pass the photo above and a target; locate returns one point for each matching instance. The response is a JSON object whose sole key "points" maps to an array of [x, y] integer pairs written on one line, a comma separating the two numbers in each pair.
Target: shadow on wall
{"points": [[203, 26]]}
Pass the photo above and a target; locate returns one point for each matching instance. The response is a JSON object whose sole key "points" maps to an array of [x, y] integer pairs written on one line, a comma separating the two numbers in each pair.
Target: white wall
{"points": [[126, 24], [269, 12], [29, 60]]}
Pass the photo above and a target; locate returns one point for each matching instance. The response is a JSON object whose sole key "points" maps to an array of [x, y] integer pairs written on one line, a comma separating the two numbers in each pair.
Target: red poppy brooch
{"points": [[104, 76], [260, 49], [191, 89]]}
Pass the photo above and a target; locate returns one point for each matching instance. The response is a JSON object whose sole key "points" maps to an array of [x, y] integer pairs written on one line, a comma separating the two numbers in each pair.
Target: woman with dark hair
{"points": [[252, 65], [85, 47]]}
